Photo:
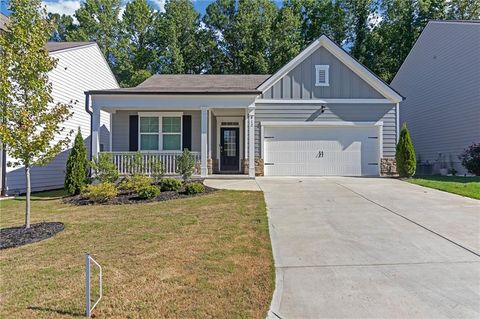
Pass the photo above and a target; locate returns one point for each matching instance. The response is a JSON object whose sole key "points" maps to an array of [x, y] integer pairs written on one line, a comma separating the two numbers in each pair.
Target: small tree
{"points": [[77, 166], [405, 155], [471, 159], [186, 165], [31, 124], [104, 169]]}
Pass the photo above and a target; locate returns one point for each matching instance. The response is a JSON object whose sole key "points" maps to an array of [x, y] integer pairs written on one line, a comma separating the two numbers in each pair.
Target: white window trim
{"points": [[160, 133], [319, 68]]}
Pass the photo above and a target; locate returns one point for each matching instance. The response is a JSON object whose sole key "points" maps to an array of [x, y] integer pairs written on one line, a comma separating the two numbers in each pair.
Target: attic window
{"points": [[321, 75]]}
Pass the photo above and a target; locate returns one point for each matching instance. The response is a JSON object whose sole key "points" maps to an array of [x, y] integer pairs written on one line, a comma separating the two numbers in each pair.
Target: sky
{"points": [[69, 6]]}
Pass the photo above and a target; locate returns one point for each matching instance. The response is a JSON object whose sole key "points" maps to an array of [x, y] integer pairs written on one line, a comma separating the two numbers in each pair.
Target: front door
{"points": [[229, 149]]}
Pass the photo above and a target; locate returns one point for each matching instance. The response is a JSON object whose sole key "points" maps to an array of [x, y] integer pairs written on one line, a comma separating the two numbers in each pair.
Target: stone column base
{"points": [[388, 167], [259, 167], [210, 166], [244, 166]]}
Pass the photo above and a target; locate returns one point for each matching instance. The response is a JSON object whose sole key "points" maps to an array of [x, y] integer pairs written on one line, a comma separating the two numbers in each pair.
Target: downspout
{"points": [[87, 108]]}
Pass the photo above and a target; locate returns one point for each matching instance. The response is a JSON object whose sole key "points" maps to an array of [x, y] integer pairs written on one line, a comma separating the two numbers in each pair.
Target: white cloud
{"points": [[67, 7], [159, 5]]}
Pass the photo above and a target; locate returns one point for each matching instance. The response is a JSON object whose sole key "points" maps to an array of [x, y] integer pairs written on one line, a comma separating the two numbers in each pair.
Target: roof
{"points": [[362, 71], [58, 46], [3, 22], [195, 83]]}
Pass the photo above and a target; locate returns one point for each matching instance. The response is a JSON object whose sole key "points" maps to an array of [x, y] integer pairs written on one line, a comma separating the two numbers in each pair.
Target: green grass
{"points": [[465, 186], [201, 257]]}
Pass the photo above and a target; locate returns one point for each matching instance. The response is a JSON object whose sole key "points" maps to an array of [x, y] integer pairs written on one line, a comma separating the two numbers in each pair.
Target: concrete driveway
{"points": [[372, 248]]}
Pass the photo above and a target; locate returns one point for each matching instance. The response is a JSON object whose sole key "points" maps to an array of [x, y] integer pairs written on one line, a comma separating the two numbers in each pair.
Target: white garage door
{"points": [[317, 151]]}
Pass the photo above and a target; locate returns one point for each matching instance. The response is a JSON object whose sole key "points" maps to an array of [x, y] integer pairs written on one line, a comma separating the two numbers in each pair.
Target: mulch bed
{"points": [[129, 198], [19, 236]]}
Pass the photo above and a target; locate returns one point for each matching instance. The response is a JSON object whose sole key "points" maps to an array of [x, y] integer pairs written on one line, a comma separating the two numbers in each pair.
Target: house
{"points": [[440, 79], [323, 113], [81, 66]]}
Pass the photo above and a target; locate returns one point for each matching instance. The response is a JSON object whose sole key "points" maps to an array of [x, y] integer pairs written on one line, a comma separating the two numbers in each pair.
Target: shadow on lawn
{"points": [[44, 196], [58, 311]]}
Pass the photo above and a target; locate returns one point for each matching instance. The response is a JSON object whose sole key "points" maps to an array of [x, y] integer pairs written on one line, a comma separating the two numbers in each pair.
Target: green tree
{"points": [[30, 119], [135, 57], [98, 20], [324, 17], [405, 154], [464, 9], [77, 166], [64, 26], [359, 14]]}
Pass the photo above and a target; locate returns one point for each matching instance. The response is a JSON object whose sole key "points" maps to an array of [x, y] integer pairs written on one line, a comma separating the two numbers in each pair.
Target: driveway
{"points": [[372, 248]]}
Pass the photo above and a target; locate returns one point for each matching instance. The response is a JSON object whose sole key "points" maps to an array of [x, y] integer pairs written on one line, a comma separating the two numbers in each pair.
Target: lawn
{"points": [[201, 257], [465, 186]]}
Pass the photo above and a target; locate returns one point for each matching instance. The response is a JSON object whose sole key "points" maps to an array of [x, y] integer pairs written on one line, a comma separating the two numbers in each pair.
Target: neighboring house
{"points": [[321, 114], [440, 79], [81, 67]]}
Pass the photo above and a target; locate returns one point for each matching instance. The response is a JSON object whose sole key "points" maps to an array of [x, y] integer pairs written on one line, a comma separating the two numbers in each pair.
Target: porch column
{"points": [[95, 131], [204, 141], [251, 140]]}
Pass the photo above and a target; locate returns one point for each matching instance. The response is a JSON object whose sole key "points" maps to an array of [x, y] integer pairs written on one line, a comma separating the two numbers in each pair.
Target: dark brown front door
{"points": [[229, 149]]}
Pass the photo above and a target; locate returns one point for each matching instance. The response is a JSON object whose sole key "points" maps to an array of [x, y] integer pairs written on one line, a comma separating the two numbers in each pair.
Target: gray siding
{"points": [[333, 112], [120, 129], [299, 83], [441, 82]]}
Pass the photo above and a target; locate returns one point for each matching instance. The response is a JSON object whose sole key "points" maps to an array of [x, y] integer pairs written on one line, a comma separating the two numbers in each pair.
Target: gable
{"points": [[299, 83], [348, 78]]}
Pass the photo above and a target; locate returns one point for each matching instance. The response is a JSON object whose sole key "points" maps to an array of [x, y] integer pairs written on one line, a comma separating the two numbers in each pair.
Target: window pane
{"points": [[149, 142], [149, 124], [171, 124], [171, 142]]}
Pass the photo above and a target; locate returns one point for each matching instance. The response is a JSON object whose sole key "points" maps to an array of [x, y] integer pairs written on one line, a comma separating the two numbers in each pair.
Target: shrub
{"points": [[194, 188], [157, 171], [100, 192], [149, 191], [405, 156], [170, 184], [186, 165], [104, 169], [77, 167], [135, 183], [471, 159]]}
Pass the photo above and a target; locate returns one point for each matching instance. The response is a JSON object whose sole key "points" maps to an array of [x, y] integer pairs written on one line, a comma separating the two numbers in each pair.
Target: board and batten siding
{"points": [[333, 112], [78, 70], [121, 128], [440, 79], [299, 83]]}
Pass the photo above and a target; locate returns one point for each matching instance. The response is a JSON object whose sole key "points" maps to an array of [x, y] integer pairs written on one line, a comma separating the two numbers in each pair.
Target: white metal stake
{"points": [[87, 267]]}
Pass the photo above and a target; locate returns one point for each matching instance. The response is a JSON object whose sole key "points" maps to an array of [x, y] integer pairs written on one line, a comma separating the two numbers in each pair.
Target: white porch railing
{"points": [[126, 161]]}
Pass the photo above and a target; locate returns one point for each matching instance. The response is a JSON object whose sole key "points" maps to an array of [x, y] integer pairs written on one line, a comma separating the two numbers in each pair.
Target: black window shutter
{"points": [[187, 132], [133, 136]]}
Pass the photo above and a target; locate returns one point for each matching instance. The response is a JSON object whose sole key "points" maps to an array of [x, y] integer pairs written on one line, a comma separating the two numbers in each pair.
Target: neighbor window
{"points": [[160, 133], [321, 75]]}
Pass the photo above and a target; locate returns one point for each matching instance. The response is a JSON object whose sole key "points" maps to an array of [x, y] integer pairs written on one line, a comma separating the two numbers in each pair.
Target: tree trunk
{"points": [[27, 202]]}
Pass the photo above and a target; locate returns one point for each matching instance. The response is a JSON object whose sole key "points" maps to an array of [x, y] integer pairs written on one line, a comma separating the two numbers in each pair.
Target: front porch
{"points": [[220, 137]]}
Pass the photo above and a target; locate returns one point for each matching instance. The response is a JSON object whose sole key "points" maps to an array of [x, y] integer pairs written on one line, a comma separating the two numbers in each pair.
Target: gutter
{"points": [[87, 109]]}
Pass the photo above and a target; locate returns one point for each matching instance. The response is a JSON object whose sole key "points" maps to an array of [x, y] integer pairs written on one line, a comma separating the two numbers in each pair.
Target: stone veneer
{"points": [[259, 167], [388, 167]]}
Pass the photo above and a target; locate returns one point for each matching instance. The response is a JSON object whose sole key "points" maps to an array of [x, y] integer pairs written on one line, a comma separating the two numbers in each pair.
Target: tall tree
{"points": [[64, 26], [135, 55], [464, 9], [360, 12], [31, 122], [98, 20], [287, 38], [326, 17]]}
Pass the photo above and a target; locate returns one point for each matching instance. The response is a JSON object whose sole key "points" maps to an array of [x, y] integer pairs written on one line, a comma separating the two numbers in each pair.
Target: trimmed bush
{"points": [[405, 155], [170, 184], [149, 191], [100, 192], [471, 159], [104, 169], [185, 165], [135, 183], [194, 188], [77, 167]]}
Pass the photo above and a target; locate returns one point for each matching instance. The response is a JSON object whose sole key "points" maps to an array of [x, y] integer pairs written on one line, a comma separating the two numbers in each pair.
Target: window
{"points": [[321, 75], [172, 133], [160, 132]]}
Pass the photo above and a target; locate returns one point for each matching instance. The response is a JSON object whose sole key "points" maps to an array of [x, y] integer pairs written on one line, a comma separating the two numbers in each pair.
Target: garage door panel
{"points": [[304, 151]]}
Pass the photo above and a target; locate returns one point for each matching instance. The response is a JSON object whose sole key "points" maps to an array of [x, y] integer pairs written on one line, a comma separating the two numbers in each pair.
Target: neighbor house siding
{"points": [[299, 83], [78, 70], [333, 112], [120, 129], [441, 82]]}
